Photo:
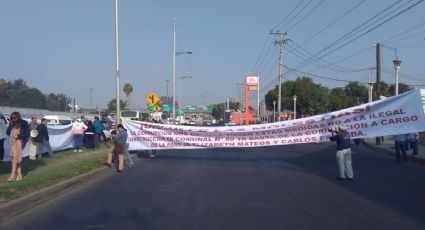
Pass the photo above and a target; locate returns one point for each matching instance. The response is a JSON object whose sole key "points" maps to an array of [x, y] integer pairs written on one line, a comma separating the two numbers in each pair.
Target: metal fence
{"points": [[39, 113]]}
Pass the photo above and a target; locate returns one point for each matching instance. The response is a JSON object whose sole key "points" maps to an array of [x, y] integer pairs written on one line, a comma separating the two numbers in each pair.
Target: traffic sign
{"points": [[157, 108], [150, 108], [167, 108], [152, 98], [190, 108]]}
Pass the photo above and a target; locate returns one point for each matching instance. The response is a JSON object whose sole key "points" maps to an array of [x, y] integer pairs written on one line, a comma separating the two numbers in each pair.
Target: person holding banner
{"points": [[119, 147], [399, 144], [414, 142], [42, 139], [343, 153], [3, 135], [78, 131]]}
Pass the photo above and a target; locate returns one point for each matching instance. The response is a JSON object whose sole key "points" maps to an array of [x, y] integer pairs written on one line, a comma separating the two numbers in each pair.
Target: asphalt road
{"points": [[283, 187]]}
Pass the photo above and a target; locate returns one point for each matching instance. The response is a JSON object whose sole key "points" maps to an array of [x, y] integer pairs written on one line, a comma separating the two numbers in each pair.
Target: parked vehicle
{"points": [[58, 120]]}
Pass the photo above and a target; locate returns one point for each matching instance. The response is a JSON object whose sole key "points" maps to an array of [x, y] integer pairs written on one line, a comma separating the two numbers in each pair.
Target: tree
{"points": [[357, 94], [8, 88], [402, 88], [28, 98], [58, 102], [338, 99], [128, 89], [112, 105]]}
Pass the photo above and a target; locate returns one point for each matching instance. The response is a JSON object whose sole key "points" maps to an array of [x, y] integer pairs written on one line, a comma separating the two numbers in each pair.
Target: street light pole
{"points": [[167, 87], [117, 70], [174, 67], [295, 107], [181, 79], [91, 99], [274, 111], [397, 63]]}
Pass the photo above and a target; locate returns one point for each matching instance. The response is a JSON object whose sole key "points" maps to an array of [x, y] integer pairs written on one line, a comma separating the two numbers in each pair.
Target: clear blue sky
{"points": [[67, 46]]}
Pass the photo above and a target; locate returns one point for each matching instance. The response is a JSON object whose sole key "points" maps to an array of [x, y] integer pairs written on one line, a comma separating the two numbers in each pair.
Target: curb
{"points": [[17, 207], [391, 153]]}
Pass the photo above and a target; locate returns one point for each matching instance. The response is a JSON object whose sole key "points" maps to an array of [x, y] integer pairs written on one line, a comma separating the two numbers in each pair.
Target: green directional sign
{"points": [[167, 108], [205, 108], [150, 108], [190, 108]]}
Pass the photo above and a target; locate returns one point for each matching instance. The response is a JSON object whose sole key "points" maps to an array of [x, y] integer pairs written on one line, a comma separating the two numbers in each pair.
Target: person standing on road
{"points": [[42, 139], [33, 146], [99, 129], [400, 145], [78, 131], [128, 159], [414, 142], [343, 153], [119, 144], [3, 134], [19, 133], [89, 135]]}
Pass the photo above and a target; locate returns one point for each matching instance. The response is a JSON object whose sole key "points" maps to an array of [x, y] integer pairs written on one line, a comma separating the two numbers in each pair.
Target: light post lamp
{"points": [[117, 68], [181, 79], [58, 104], [167, 87], [91, 99], [295, 106], [397, 63], [274, 111], [174, 67]]}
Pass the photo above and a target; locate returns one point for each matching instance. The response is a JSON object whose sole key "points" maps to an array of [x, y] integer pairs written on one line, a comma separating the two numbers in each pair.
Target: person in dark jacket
{"points": [[3, 135], [42, 139], [89, 135], [343, 153], [19, 133]]}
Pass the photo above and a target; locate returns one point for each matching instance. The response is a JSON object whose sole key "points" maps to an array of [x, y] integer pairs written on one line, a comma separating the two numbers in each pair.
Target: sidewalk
{"points": [[387, 146]]}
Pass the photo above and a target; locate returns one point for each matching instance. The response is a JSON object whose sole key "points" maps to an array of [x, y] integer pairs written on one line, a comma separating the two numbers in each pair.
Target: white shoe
{"points": [[80, 150], [151, 156]]}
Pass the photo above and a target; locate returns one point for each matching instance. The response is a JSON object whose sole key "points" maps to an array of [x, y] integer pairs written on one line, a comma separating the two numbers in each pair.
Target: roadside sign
{"points": [[167, 108], [150, 108], [152, 98], [190, 108], [157, 108]]}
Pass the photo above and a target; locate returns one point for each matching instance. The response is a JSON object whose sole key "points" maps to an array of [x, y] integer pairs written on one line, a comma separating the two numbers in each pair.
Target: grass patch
{"points": [[39, 174]]}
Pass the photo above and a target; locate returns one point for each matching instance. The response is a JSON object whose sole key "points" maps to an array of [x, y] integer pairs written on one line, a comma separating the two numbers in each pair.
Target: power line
{"points": [[307, 14], [390, 40], [356, 30], [284, 19], [333, 22]]}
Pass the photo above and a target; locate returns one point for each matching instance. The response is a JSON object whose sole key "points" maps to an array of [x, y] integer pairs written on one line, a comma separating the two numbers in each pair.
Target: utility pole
{"points": [[281, 42], [378, 71], [240, 104], [378, 79]]}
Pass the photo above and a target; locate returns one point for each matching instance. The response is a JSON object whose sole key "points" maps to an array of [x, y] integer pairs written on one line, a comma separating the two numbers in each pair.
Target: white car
{"points": [[107, 135]]}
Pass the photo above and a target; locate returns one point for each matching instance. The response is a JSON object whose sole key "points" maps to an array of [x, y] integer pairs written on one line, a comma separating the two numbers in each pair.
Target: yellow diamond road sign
{"points": [[157, 108], [152, 99]]}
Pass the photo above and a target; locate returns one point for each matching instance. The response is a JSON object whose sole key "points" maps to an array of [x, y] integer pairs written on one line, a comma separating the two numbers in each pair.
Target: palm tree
{"points": [[128, 89]]}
